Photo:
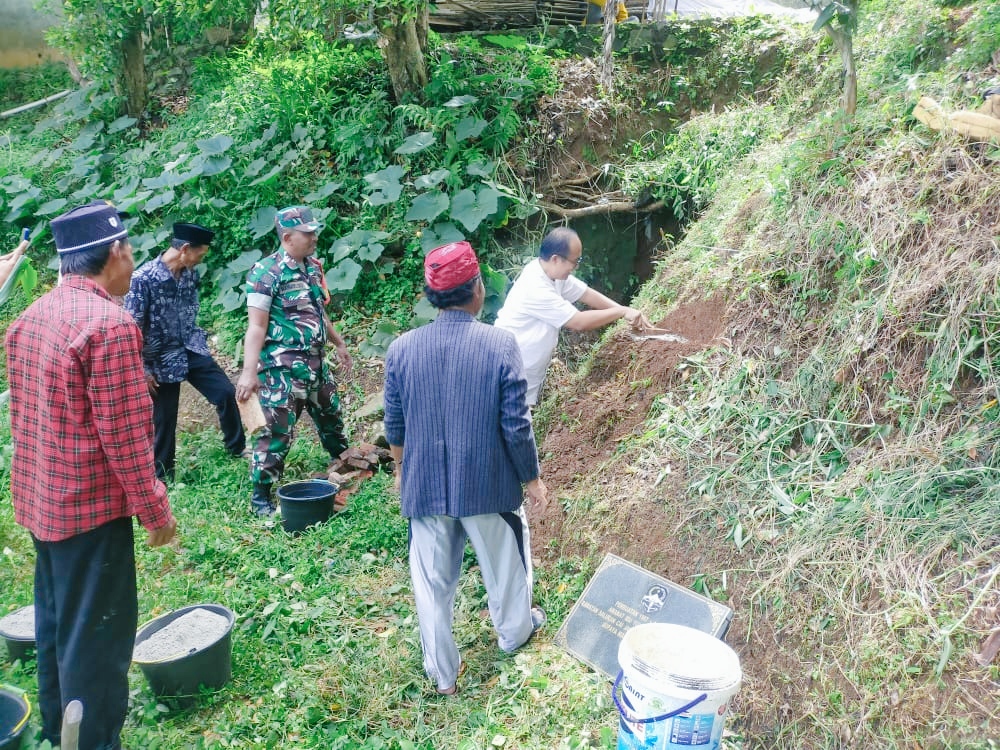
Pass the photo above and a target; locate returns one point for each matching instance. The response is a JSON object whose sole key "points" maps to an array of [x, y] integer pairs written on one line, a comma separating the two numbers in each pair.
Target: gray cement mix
{"points": [[20, 623], [191, 632]]}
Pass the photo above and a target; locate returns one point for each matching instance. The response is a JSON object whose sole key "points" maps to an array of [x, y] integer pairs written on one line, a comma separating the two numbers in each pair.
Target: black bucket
{"points": [[306, 503], [19, 646], [14, 714], [183, 675]]}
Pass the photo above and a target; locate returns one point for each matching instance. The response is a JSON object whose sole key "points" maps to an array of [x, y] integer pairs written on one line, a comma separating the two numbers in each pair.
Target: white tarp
{"points": [[657, 10]]}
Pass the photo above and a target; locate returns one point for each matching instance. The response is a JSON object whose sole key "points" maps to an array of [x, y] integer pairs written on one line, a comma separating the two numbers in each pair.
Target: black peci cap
{"points": [[194, 234]]}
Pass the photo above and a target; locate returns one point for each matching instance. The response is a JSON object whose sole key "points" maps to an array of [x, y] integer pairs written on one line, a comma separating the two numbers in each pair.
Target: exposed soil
{"points": [[611, 403]]}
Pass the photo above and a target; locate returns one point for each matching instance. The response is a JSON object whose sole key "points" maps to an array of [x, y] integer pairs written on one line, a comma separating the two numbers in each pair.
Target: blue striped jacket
{"points": [[455, 400]]}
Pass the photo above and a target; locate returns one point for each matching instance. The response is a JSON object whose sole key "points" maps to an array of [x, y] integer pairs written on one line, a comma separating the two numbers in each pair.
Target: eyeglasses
{"points": [[576, 262]]}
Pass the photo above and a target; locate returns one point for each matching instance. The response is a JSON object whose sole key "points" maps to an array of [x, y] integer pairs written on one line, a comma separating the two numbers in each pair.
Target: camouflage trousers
{"points": [[282, 398]]}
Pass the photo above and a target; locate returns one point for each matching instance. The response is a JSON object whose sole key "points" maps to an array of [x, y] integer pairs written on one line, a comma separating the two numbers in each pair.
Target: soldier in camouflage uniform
{"points": [[283, 352]]}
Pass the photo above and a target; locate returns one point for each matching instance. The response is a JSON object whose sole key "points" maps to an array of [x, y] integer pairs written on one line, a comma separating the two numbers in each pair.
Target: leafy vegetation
{"points": [[326, 652]]}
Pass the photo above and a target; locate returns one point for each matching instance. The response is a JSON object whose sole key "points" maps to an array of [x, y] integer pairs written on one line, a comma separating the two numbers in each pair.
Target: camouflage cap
{"points": [[296, 218]]}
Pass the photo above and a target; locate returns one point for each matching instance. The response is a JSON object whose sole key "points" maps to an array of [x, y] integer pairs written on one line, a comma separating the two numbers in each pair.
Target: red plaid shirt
{"points": [[80, 415]]}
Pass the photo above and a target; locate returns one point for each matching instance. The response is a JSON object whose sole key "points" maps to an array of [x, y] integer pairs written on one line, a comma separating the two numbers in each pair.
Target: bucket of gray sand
{"points": [[18, 631], [186, 650]]}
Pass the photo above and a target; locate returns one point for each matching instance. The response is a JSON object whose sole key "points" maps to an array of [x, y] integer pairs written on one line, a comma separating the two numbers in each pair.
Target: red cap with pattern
{"points": [[450, 265]]}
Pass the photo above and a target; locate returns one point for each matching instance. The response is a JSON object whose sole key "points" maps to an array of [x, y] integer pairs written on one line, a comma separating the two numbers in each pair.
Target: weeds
{"points": [[326, 652]]}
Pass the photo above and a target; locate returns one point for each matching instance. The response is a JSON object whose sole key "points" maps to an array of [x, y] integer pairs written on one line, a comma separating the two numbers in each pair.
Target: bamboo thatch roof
{"points": [[453, 15]]}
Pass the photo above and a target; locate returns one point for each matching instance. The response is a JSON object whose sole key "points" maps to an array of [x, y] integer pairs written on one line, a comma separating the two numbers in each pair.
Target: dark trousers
{"points": [[211, 382], [86, 613]]}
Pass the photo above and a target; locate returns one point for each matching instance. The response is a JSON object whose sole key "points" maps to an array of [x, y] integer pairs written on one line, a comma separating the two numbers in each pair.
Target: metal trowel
{"points": [[657, 334]]}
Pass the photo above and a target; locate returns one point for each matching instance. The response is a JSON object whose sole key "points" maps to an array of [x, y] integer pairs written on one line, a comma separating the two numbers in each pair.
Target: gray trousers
{"points": [[503, 550]]}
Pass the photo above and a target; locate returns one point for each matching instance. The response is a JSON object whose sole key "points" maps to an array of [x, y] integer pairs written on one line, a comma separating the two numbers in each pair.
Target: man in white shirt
{"points": [[541, 302]]}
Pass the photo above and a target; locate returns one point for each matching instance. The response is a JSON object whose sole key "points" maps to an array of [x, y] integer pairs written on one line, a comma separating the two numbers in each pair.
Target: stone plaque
{"points": [[622, 595]]}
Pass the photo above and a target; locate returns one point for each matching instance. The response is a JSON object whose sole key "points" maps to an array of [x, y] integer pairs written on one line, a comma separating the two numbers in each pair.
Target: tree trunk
{"points": [[402, 44], [843, 40], [850, 76], [134, 71]]}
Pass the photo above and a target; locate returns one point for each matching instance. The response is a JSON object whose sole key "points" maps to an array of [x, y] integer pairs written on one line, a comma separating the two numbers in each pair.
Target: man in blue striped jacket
{"points": [[457, 423]]}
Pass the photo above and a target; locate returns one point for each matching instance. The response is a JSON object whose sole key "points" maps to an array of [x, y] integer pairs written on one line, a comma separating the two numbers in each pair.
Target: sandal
{"points": [[453, 690]]}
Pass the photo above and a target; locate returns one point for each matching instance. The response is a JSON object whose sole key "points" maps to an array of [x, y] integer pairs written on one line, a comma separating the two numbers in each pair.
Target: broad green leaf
{"points": [[143, 242], [470, 207], [416, 143], [270, 174], [160, 181], [299, 132], [324, 192], [244, 261], [469, 127], [481, 168], [28, 277], [126, 203], [15, 184], [83, 142], [431, 179], [18, 206], [428, 206], [121, 124], [230, 300], [126, 190], [377, 344], [494, 281], [51, 207], [159, 201], [254, 167], [461, 101], [507, 41], [214, 146], [86, 193], [385, 185], [364, 243], [343, 276], [423, 312], [440, 234], [826, 15], [263, 222], [214, 165]]}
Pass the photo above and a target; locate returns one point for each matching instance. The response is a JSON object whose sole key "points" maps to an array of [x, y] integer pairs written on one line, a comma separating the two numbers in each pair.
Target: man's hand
{"points": [[344, 360], [538, 496], [246, 386], [637, 320], [8, 261], [163, 535], [151, 383]]}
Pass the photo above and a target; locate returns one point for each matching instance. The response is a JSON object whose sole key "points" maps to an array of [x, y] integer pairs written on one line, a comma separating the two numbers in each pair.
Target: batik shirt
{"points": [[293, 294], [166, 308]]}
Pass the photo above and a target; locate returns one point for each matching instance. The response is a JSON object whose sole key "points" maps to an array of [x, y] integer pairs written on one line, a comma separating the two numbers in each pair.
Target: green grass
{"points": [[24, 85], [326, 652]]}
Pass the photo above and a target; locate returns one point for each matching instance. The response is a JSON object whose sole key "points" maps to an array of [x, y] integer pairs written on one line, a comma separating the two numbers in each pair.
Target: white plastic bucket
{"points": [[676, 684]]}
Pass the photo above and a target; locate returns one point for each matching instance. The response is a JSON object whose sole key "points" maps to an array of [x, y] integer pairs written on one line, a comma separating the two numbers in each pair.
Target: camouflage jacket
{"points": [[294, 295]]}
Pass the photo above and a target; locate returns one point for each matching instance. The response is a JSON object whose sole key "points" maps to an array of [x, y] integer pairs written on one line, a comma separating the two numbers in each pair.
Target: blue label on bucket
{"points": [[691, 730], [670, 734]]}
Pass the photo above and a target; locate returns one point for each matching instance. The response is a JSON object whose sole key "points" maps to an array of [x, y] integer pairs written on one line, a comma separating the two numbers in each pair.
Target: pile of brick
{"points": [[354, 466]]}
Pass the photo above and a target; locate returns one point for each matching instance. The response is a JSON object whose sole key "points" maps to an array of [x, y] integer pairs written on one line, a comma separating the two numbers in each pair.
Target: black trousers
{"points": [[86, 612], [211, 382]]}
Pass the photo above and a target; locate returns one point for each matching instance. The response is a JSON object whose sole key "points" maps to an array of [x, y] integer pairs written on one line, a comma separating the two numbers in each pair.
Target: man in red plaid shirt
{"points": [[82, 424]]}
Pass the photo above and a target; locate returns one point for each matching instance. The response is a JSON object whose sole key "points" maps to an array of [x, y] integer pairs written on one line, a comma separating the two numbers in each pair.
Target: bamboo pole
{"points": [[34, 105]]}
